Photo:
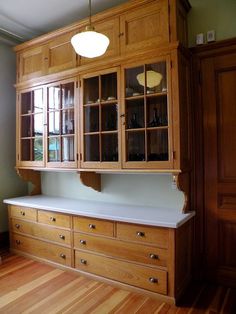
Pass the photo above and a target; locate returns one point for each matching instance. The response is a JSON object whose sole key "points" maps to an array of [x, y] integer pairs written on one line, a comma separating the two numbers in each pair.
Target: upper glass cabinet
{"points": [[61, 124], [146, 124], [31, 128], [100, 120]]}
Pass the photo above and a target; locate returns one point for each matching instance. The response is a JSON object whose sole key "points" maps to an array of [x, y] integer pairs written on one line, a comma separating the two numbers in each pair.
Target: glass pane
{"points": [[109, 147], [37, 120], [91, 121], [38, 100], [133, 87], [91, 147], [156, 78], [109, 117], [109, 86], [135, 146], [26, 103], [54, 97], [135, 113], [68, 122], [54, 123], [68, 149], [157, 144], [91, 90], [38, 149], [54, 149], [25, 150], [157, 111], [67, 95], [25, 126]]}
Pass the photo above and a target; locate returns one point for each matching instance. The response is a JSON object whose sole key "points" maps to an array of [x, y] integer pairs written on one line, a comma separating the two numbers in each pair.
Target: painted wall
{"points": [[143, 189], [10, 183], [207, 15]]}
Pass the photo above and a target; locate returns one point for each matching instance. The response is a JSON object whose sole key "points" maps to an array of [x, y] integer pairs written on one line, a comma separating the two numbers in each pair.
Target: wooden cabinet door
{"points": [[145, 27], [219, 121], [60, 54], [110, 28], [32, 63]]}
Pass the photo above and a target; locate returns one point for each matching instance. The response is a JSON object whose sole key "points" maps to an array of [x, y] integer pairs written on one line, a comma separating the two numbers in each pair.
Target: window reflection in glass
{"points": [[54, 149], [68, 149]]}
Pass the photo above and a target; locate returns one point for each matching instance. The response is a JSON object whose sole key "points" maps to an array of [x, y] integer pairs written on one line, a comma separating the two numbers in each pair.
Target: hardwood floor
{"points": [[27, 286]]}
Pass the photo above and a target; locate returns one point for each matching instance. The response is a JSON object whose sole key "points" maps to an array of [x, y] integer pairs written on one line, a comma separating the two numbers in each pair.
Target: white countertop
{"points": [[146, 215]]}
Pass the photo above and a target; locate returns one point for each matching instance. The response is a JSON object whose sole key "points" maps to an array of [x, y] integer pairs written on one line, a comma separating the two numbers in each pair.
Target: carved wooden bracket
{"points": [[91, 179], [182, 181], [31, 176]]}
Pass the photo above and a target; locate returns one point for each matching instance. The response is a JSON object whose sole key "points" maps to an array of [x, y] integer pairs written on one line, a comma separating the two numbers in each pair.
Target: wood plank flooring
{"points": [[27, 286]]}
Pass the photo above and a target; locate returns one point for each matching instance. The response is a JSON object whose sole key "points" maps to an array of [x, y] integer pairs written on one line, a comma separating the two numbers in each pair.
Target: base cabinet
{"points": [[155, 260]]}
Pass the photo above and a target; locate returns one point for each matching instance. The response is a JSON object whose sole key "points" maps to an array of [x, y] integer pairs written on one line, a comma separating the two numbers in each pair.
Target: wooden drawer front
{"points": [[42, 231], [140, 276], [52, 252], [129, 251], [95, 226], [54, 219], [24, 213], [154, 235]]}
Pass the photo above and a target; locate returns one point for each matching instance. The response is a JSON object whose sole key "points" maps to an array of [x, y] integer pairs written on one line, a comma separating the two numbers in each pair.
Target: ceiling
{"points": [[21, 20]]}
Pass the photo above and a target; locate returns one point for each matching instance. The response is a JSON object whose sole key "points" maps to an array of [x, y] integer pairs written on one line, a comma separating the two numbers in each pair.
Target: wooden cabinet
{"points": [[46, 126], [52, 56], [100, 119]]}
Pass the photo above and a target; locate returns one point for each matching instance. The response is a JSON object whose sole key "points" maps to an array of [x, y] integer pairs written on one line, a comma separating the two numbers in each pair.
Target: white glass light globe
{"points": [[90, 44]]}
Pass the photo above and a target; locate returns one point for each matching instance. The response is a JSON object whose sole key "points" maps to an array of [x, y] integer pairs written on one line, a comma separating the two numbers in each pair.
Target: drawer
{"points": [[41, 231], [129, 251], [52, 252], [143, 234], [54, 219], [24, 213], [140, 276], [94, 226]]}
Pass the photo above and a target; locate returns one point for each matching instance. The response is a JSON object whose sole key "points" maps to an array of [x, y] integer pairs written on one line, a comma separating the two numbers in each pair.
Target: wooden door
{"points": [[219, 133]]}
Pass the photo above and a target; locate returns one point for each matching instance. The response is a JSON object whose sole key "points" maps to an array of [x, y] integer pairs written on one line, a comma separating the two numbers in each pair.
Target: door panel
{"points": [[219, 118]]}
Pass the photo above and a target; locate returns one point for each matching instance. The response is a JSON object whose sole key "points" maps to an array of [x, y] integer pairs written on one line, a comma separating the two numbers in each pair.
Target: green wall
{"points": [[206, 15], [10, 184]]}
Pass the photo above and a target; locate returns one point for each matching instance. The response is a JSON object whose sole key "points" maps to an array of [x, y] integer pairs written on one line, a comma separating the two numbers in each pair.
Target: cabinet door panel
{"points": [[145, 27]]}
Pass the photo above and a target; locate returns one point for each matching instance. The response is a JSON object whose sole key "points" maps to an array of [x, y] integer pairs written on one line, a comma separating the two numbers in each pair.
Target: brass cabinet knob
{"points": [[140, 234], [153, 256], [153, 280], [22, 213], [52, 219], [82, 242], [17, 226], [91, 226], [61, 236], [62, 255], [83, 261], [18, 242]]}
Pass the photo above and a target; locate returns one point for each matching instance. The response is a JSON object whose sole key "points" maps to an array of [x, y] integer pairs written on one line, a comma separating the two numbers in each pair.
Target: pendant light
{"points": [[89, 43]]}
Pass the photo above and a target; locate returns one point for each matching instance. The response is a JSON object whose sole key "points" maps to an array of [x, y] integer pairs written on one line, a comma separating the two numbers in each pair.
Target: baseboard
{"points": [[4, 240]]}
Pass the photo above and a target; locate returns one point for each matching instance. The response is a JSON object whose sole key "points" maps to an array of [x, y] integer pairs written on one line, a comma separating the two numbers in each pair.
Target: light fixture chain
{"points": [[90, 13]]}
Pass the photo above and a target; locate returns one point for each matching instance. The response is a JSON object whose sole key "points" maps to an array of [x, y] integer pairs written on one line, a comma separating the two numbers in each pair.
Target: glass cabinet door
{"points": [[31, 127], [146, 127], [61, 125], [100, 121]]}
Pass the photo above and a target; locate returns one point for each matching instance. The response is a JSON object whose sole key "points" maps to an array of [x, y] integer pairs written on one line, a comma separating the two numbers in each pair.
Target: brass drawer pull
{"points": [[63, 256], [140, 234], [153, 256], [153, 280], [61, 236], [52, 219], [91, 226], [17, 226], [82, 242], [22, 213], [83, 261], [18, 242]]}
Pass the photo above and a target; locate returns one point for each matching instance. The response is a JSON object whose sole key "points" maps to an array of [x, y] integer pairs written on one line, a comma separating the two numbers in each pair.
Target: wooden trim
{"points": [[33, 176], [4, 240], [91, 179]]}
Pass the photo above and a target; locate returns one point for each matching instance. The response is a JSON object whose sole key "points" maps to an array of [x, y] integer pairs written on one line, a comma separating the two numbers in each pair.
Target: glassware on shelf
{"points": [[134, 122], [155, 120]]}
